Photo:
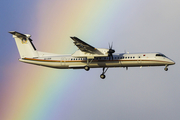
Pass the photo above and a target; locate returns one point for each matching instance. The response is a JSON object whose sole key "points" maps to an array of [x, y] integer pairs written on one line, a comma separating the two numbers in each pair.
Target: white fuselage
{"points": [[119, 60], [86, 57]]}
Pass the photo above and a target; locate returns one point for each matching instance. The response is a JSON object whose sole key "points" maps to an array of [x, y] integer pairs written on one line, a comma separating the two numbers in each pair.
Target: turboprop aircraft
{"points": [[86, 57]]}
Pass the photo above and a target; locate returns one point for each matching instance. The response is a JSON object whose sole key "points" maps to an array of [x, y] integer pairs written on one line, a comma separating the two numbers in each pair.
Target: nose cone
{"points": [[172, 62]]}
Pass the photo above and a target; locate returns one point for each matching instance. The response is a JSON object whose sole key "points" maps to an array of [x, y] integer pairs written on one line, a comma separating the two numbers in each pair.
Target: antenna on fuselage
{"points": [[126, 51]]}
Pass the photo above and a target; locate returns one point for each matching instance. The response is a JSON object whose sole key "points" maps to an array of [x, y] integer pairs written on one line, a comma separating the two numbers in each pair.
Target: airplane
{"points": [[86, 56]]}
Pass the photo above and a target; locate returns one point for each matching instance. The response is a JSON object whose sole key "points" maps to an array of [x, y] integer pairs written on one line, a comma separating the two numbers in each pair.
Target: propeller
{"points": [[111, 51]]}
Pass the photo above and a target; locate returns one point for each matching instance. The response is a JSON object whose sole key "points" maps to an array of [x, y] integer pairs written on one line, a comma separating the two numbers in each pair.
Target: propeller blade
{"points": [[111, 51], [111, 45]]}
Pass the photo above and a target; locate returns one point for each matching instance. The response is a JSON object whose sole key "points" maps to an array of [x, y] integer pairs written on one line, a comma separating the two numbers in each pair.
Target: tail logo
{"points": [[24, 40]]}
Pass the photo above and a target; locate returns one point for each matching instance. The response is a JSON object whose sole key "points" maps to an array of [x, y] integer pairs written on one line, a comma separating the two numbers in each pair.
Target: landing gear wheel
{"points": [[102, 76], [87, 68], [166, 69]]}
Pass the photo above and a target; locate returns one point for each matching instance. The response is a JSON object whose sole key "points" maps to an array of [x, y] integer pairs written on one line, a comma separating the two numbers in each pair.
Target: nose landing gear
{"points": [[166, 68], [102, 76]]}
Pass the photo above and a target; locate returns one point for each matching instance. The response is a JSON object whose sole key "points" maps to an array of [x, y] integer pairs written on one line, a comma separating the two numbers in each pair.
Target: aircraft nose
{"points": [[172, 62]]}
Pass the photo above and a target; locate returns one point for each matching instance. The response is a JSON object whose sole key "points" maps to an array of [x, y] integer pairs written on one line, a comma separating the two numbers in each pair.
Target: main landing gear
{"points": [[87, 68], [102, 76], [166, 68]]}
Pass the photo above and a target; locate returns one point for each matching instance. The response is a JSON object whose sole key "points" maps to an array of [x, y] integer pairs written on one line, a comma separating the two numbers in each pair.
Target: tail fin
{"points": [[24, 45]]}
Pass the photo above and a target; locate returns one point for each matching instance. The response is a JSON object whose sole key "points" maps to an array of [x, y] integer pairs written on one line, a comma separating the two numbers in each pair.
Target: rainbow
{"points": [[37, 93]]}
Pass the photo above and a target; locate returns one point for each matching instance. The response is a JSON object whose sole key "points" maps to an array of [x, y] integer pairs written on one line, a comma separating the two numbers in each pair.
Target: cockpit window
{"points": [[160, 55]]}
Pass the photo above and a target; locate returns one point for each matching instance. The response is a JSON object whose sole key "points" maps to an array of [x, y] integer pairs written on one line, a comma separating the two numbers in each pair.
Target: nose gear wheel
{"points": [[166, 68]]}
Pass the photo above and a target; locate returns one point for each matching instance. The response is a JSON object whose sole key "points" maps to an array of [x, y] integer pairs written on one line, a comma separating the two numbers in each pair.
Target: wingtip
{"points": [[12, 32], [73, 37]]}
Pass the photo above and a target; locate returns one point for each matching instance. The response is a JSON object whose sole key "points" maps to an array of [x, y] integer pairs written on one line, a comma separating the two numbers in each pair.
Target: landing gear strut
{"points": [[102, 76], [87, 68], [166, 68]]}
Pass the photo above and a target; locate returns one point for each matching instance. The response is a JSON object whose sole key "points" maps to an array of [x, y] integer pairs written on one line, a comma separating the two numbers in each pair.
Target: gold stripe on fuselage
{"points": [[136, 60]]}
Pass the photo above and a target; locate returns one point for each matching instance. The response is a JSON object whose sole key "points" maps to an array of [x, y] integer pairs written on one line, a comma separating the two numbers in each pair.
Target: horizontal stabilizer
{"points": [[17, 34]]}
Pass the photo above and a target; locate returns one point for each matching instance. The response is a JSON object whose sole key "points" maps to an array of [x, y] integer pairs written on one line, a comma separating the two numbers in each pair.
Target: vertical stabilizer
{"points": [[24, 44]]}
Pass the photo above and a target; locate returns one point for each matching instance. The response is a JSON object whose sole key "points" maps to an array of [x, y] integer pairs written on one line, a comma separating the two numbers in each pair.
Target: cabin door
{"points": [[63, 61], [139, 59]]}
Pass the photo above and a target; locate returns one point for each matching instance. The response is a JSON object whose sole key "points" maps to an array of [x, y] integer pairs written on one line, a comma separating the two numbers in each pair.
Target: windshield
{"points": [[160, 55]]}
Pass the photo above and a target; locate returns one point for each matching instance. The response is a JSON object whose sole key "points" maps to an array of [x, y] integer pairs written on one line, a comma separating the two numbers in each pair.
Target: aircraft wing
{"points": [[84, 47]]}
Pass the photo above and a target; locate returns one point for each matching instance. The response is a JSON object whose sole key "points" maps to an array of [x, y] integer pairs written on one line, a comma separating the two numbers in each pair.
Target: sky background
{"points": [[29, 92]]}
